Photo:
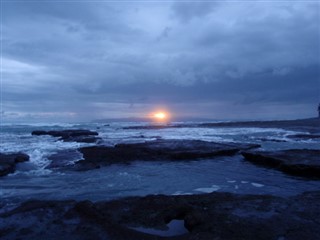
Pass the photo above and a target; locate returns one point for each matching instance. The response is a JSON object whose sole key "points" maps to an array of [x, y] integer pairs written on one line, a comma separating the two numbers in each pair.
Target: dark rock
{"points": [[40, 132], [83, 139], [5, 169], [311, 125], [64, 158], [73, 135], [304, 136], [9, 161], [195, 219], [299, 162], [21, 157], [167, 150], [207, 216], [66, 133], [150, 127], [270, 140]]}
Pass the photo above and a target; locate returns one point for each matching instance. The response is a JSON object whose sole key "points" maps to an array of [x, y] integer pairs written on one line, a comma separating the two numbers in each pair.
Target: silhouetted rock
{"points": [[159, 150], [207, 216], [64, 158], [270, 140], [150, 127], [73, 135], [9, 161], [311, 125], [304, 136], [299, 162]]}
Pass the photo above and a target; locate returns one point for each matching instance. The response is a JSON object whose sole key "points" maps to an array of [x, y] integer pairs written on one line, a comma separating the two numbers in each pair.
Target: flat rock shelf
{"points": [[159, 150], [207, 216], [299, 162]]}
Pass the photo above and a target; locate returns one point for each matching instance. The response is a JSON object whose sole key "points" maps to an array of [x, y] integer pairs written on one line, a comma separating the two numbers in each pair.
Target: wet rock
{"points": [[73, 135], [5, 169], [83, 139], [207, 216], [195, 219], [311, 125], [299, 162], [159, 150], [161, 126], [304, 136], [150, 127], [40, 132], [8, 162], [64, 158], [270, 140]]}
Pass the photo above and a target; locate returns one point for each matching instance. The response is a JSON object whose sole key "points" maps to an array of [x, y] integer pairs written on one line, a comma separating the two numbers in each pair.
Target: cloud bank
{"points": [[77, 61]]}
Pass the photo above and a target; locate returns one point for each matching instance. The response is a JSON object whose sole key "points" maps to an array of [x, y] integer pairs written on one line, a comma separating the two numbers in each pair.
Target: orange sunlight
{"points": [[160, 116]]}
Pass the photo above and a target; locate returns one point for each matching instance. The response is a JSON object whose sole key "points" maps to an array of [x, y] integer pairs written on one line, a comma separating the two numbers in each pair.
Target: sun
{"points": [[160, 115]]}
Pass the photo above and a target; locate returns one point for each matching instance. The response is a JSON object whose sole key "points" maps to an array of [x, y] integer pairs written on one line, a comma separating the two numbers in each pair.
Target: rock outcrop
{"points": [[207, 216], [159, 150], [298, 162], [73, 135], [63, 159], [311, 125], [8, 162]]}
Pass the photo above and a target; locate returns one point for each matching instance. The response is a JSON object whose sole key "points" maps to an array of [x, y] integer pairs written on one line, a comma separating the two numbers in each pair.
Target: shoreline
{"points": [[197, 217], [311, 125]]}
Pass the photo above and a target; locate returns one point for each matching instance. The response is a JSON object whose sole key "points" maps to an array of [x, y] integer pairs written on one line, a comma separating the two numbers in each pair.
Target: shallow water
{"points": [[228, 174], [174, 228]]}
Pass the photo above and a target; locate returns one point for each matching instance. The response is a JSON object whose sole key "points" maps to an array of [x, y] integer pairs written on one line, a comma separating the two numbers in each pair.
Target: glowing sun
{"points": [[160, 115]]}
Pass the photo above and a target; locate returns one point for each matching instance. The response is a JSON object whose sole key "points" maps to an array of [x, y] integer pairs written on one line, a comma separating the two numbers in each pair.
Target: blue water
{"points": [[33, 180]]}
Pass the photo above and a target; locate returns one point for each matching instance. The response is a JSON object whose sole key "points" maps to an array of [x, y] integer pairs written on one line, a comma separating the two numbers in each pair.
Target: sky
{"points": [[225, 60]]}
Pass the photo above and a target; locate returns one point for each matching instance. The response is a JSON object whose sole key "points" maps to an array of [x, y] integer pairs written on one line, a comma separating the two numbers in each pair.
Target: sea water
{"points": [[33, 180]]}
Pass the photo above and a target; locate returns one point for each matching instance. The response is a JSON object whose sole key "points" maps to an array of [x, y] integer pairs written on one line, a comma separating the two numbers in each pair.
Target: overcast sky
{"points": [[80, 60]]}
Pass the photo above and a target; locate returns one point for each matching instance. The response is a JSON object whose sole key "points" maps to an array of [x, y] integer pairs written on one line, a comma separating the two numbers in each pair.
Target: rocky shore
{"points": [[159, 150], [195, 217], [8, 162], [74, 135], [216, 215], [298, 162], [311, 125]]}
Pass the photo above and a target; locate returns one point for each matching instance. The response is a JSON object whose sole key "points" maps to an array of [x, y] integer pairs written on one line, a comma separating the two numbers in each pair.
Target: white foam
{"points": [[179, 193], [39, 148], [257, 185], [174, 228], [43, 124], [211, 189], [33, 172]]}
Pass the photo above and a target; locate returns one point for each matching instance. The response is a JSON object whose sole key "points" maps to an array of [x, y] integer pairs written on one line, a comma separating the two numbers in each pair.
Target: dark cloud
{"points": [[221, 60], [186, 11]]}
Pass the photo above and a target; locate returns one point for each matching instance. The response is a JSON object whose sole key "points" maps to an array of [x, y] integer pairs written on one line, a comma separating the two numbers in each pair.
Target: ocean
{"points": [[33, 180]]}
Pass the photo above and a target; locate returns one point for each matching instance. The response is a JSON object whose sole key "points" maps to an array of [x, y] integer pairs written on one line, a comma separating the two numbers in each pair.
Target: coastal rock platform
{"points": [[8, 162], [73, 135], [201, 217], [159, 150], [298, 162]]}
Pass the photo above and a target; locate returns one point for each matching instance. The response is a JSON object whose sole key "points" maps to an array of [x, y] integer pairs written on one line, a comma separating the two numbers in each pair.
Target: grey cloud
{"points": [[186, 11], [82, 56]]}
